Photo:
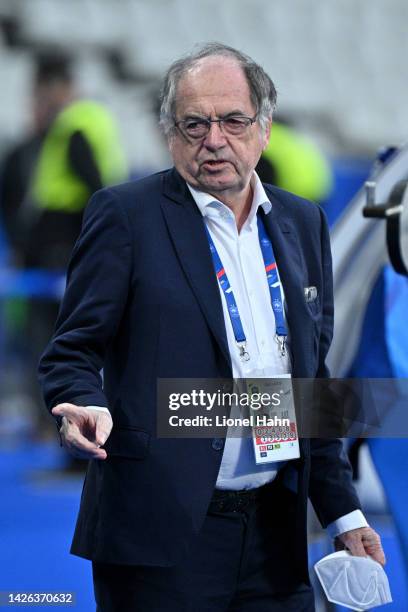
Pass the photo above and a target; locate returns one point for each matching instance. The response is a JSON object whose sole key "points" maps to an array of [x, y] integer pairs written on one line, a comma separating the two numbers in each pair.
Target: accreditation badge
{"points": [[273, 419]]}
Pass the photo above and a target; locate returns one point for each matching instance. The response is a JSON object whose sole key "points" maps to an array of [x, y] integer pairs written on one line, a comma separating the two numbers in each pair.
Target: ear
{"points": [[267, 134]]}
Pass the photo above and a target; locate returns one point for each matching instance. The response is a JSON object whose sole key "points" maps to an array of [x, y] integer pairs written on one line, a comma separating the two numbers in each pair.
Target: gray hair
{"points": [[262, 89]]}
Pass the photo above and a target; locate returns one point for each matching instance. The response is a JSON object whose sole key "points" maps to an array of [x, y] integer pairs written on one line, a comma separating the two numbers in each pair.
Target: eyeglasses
{"points": [[234, 125]]}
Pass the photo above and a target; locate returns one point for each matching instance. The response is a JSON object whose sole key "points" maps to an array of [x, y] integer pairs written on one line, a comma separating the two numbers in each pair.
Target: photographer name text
{"points": [[253, 420]]}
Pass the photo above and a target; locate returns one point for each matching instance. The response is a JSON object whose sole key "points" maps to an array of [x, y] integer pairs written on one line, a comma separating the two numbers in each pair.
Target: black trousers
{"points": [[240, 561]]}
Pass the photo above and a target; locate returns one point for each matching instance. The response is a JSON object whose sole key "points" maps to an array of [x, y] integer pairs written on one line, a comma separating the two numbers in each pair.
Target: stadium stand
{"points": [[343, 60]]}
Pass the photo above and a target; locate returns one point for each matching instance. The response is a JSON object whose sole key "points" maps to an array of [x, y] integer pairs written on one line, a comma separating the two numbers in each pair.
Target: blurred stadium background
{"points": [[340, 67], [341, 74]]}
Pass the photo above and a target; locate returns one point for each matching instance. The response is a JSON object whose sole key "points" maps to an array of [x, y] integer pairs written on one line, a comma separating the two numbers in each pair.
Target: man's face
{"points": [[49, 99], [214, 88]]}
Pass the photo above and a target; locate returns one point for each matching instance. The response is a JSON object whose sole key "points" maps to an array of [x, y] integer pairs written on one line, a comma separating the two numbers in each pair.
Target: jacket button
{"points": [[217, 444]]}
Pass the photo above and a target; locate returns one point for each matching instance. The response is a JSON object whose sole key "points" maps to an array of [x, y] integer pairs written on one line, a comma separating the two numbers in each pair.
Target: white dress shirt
{"points": [[242, 260]]}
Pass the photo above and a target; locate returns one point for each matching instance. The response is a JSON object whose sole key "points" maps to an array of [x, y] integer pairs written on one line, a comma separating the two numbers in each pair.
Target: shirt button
{"points": [[217, 444]]}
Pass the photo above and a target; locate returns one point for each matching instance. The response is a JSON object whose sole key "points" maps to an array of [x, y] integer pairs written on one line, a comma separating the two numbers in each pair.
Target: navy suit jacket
{"points": [[142, 302]]}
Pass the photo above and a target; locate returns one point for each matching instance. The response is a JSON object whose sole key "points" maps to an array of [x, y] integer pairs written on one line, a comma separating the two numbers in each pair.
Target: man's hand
{"points": [[83, 431], [362, 542]]}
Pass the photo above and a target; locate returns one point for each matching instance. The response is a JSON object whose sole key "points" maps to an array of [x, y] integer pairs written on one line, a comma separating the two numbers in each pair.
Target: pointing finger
{"points": [[77, 443]]}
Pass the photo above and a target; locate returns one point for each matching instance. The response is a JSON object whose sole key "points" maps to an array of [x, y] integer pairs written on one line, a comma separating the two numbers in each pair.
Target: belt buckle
{"points": [[233, 501]]}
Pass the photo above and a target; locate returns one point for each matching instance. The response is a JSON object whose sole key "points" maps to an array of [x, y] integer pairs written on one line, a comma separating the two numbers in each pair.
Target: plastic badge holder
{"points": [[358, 583]]}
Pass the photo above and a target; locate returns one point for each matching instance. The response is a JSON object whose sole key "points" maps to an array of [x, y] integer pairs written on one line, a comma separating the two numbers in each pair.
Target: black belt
{"points": [[236, 501]]}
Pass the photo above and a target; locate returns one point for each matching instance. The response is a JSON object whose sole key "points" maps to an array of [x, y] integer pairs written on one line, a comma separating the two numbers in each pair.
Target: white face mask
{"points": [[358, 583]]}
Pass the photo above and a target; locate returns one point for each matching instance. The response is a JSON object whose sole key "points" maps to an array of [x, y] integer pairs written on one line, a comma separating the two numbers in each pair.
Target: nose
{"points": [[215, 138]]}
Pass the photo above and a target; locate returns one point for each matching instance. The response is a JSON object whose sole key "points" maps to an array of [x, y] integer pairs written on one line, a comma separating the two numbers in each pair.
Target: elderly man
{"points": [[197, 524]]}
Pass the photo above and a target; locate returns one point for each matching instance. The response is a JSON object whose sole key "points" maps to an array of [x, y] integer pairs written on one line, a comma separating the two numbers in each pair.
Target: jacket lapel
{"points": [[186, 228]]}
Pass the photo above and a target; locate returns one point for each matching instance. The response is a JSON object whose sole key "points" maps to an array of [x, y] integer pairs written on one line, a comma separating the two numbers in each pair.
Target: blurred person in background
{"points": [[51, 82], [80, 153], [74, 151], [293, 162], [188, 523], [50, 78]]}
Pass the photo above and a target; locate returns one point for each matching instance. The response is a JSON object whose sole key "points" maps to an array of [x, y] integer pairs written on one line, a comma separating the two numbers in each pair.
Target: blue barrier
{"points": [[33, 283]]}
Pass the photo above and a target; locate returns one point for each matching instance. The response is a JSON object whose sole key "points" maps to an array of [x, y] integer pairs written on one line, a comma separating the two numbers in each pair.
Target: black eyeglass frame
{"points": [[221, 121]]}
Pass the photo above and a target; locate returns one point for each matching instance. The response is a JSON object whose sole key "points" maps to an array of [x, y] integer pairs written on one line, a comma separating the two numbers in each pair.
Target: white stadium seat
{"points": [[15, 79], [345, 59]]}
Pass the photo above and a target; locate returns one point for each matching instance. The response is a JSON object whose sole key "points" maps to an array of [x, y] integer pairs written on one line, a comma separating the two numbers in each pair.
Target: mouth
{"points": [[214, 164]]}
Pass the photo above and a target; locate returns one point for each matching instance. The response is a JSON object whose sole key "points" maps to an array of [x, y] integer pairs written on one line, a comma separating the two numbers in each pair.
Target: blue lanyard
{"points": [[274, 289], [274, 286]]}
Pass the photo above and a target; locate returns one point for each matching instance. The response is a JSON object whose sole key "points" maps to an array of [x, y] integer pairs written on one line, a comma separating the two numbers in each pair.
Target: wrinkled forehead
{"points": [[214, 84]]}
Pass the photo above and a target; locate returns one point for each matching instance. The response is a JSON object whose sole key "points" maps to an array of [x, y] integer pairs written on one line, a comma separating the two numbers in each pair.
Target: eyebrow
{"points": [[233, 113]]}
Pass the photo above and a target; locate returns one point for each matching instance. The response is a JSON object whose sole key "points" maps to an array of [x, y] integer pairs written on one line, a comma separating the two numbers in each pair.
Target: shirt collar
{"points": [[205, 201]]}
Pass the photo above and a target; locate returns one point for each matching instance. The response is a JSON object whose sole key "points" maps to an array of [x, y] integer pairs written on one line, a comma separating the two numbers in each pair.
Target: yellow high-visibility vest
{"points": [[55, 184], [298, 165]]}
